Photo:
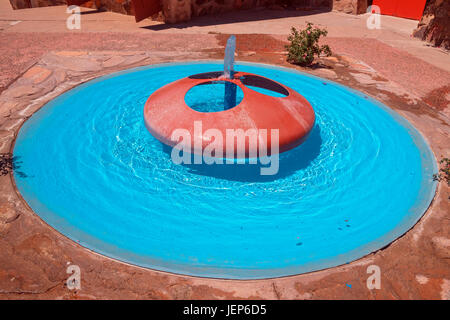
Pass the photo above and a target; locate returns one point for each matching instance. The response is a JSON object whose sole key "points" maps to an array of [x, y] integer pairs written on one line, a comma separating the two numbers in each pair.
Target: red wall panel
{"points": [[386, 6], [411, 9]]}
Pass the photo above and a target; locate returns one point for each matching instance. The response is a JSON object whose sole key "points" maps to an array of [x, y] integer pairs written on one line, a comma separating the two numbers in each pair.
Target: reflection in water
{"points": [[8, 163], [290, 162]]}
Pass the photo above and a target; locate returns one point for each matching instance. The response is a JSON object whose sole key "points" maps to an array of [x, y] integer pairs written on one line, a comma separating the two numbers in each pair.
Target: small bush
{"points": [[445, 175], [304, 45], [6, 163]]}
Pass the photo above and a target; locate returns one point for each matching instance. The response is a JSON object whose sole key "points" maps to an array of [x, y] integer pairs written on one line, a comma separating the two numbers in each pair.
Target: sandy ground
{"points": [[394, 31]]}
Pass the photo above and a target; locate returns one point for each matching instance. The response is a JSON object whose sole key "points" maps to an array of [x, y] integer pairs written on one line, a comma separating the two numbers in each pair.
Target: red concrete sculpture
{"points": [[166, 111]]}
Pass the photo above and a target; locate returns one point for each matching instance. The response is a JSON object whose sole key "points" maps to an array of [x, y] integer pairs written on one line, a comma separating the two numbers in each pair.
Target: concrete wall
{"points": [[350, 6], [22, 4], [183, 10], [198, 7], [120, 6]]}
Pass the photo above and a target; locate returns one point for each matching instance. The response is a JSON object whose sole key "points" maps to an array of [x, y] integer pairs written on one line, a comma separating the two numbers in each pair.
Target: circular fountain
{"points": [[361, 179]]}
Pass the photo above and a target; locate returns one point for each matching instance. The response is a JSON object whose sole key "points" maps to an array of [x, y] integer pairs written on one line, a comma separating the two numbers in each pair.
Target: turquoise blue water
{"points": [[87, 165]]}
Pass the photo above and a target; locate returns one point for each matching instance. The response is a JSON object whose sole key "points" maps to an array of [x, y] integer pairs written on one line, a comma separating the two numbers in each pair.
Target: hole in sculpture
{"points": [[264, 86], [211, 96]]}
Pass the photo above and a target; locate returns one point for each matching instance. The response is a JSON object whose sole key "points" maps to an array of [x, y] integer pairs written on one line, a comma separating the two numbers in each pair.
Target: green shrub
{"points": [[304, 45]]}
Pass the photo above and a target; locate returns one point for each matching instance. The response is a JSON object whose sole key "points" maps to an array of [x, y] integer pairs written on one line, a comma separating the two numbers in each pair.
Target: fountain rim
{"points": [[415, 133]]}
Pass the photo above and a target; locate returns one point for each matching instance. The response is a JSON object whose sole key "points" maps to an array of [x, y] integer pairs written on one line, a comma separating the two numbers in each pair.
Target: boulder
{"points": [[350, 6], [434, 26]]}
